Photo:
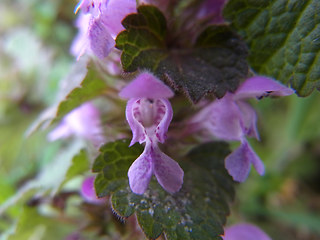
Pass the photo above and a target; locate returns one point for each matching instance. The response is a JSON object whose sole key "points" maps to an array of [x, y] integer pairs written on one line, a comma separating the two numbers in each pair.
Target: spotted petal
{"points": [[165, 113], [138, 131]]}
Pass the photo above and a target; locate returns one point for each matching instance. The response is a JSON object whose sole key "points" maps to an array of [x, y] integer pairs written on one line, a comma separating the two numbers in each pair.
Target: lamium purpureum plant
{"points": [[176, 78]]}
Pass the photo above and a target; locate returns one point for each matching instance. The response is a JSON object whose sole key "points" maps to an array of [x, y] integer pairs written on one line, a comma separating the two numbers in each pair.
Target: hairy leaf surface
{"points": [[197, 211], [215, 64], [283, 37]]}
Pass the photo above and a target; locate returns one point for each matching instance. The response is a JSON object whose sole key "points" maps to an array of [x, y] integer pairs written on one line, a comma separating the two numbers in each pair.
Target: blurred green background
{"points": [[35, 36]]}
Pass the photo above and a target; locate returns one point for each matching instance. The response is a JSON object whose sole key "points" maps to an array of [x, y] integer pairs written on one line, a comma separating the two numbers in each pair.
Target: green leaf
{"points": [[197, 211], [215, 64], [283, 37], [91, 87], [81, 85], [79, 165]]}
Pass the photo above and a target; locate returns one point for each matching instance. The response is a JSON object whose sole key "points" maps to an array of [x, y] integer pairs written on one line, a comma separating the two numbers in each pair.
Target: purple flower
{"points": [[245, 231], [149, 114], [84, 122], [99, 23], [232, 119], [88, 192]]}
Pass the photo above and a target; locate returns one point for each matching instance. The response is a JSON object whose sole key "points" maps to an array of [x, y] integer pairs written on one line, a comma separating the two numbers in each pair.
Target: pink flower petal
{"points": [[249, 119], [101, 42], [167, 171], [63, 130], [223, 119], [141, 172], [83, 121], [88, 192], [81, 44], [255, 160], [138, 131], [114, 11], [145, 85], [245, 231], [162, 128], [238, 162], [259, 86]]}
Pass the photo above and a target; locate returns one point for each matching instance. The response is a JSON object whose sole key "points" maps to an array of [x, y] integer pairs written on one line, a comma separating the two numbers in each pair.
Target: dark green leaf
{"points": [[216, 63], [197, 211], [284, 39]]}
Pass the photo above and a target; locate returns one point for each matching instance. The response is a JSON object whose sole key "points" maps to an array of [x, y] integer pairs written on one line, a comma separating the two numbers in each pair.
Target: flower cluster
{"points": [[231, 118], [148, 110]]}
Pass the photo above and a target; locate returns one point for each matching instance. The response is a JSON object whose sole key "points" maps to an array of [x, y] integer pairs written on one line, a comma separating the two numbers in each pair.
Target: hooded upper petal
{"points": [[259, 86], [141, 171], [146, 85], [238, 162], [167, 171], [245, 231]]}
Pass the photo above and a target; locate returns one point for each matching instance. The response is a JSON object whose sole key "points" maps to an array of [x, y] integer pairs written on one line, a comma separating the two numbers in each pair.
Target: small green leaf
{"points": [[216, 63], [91, 87], [79, 165], [197, 211], [80, 86], [283, 37]]}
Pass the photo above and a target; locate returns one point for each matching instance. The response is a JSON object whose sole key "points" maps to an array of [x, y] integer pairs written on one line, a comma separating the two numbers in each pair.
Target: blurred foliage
{"points": [[35, 36]]}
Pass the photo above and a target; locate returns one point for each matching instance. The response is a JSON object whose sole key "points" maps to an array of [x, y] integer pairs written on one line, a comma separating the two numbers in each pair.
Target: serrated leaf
{"points": [[283, 37], [216, 63], [197, 211]]}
